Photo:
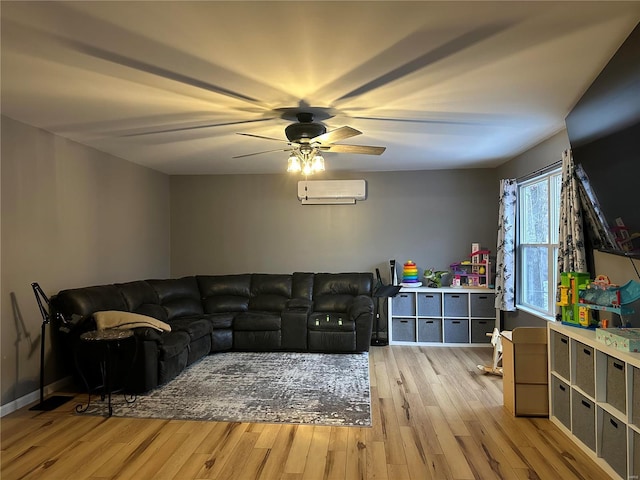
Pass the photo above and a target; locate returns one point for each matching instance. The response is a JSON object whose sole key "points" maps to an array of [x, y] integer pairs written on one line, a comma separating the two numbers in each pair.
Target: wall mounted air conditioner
{"points": [[331, 192]]}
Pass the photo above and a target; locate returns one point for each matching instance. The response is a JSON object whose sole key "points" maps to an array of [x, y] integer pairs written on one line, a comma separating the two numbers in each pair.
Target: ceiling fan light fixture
{"points": [[293, 164], [318, 163], [307, 168]]}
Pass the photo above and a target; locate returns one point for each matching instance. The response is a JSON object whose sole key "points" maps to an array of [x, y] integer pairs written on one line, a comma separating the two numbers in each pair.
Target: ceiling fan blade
{"points": [[266, 151], [336, 135], [364, 149], [196, 127], [264, 138]]}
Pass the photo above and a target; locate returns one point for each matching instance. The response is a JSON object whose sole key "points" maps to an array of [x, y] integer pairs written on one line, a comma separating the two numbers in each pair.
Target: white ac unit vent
{"points": [[327, 192]]}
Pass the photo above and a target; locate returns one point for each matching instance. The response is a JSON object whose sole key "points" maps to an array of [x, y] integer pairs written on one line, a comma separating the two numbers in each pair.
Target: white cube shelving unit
{"points": [[594, 397], [438, 316]]}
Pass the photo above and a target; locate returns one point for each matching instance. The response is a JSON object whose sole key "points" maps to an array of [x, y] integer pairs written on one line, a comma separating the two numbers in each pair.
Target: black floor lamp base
{"points": [[379, 342], [51, 403]]}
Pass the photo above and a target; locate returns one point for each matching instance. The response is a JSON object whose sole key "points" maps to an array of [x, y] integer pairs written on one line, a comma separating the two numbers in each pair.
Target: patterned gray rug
{"points": [[272, 387]]}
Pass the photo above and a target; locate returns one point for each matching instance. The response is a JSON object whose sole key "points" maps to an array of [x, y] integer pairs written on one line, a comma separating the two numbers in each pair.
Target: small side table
{"points": [[110, 341]]}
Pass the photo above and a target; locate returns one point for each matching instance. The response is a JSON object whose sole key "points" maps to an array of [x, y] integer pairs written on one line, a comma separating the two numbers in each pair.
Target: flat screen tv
{"points": [[612, 164], [604, 133]]}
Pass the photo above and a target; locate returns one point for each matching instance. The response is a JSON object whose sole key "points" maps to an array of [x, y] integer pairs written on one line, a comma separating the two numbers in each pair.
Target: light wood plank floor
{"points": [[434, 417]]}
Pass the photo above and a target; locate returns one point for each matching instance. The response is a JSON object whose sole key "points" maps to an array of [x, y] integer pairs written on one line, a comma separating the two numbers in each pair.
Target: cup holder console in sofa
{"points": [[316, 312]]}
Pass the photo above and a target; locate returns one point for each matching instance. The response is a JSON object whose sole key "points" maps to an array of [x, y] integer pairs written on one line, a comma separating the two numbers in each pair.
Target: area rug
{"points": [[272, 387]]}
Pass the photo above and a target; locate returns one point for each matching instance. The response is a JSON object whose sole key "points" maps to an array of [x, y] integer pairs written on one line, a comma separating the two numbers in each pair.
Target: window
{"points": [[537, 253]]}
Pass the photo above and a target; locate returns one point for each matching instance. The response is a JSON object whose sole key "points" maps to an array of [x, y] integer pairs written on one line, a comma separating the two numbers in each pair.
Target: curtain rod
{"points": [[540, 171]]}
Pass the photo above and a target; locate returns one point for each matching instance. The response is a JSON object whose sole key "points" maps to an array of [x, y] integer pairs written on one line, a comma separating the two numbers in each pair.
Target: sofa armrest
{"points": [[148, 333], [299, 304], [361, 310], [360, 305], [294, 324]]}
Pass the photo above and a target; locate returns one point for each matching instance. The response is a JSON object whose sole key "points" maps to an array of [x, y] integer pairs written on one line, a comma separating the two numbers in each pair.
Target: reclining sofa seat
{"points": [[212, 313], [342, 312]]}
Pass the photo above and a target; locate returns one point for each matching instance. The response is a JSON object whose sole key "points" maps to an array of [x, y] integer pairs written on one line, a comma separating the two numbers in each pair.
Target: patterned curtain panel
{"points": [[571, 254], [602, 236], [505, 260]]}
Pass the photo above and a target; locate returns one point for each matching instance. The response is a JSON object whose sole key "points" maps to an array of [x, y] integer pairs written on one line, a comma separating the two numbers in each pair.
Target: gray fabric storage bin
{"points": [[404, 330], [561, 401], [429, 330], [585, 368], [616, 391], [404, 305], [456, 331], [614, 443], [583, 419], [482, 304], [560, 357], [479, 330], [456, 304], [429, 304]]}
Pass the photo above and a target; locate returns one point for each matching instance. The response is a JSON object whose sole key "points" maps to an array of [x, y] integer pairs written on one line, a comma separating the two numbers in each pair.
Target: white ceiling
{"points": [[440, 84]]}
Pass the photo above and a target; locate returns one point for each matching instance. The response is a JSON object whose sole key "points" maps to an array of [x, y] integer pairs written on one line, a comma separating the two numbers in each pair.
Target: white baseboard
{"points": [[34, 396]]}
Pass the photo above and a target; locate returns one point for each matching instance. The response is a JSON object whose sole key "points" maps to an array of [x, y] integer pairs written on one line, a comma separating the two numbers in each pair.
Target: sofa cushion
{"points": [[195, 327], [302, 285], [219, 320], [142, 298], [85, 301], [332, 292], [269, 293], [254, 321], [225, 293], [180, 297]]}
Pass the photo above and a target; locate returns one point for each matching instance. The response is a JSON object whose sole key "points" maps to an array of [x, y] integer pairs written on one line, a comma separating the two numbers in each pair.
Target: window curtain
{"points": [[571, 253], [602, 236], [506, 248]]}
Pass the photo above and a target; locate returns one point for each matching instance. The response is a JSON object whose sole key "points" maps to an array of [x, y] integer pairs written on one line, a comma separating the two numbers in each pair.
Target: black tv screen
{"points": [[604, 133], [612, 164]]}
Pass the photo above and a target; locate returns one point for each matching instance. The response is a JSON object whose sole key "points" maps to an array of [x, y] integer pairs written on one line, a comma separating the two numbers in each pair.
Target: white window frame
{"points": [[552, 247]]}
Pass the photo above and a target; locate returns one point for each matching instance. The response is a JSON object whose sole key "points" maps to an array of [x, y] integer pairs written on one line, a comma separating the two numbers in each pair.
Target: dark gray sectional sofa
{"points": [[315, 312]]}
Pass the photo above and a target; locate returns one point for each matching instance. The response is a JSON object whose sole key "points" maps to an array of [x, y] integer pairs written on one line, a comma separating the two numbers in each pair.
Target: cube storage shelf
{"points": [[437, 316], [594, 397]]}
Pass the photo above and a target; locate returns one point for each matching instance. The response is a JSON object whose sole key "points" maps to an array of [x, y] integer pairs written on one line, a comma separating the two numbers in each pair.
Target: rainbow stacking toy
{"points": [[410, 275]]}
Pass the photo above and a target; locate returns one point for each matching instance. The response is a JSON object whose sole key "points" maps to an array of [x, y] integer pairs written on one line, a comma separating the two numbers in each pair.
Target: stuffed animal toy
{"points": [[433, 278]]}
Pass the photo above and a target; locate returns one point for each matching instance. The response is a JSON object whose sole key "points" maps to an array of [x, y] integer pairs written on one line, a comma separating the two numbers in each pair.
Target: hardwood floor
{"points": [[434, 417]]}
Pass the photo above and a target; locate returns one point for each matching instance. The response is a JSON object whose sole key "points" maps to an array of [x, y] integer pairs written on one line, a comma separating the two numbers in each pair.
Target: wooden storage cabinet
{"points": [[594, 398], [525, 373], [437, 316]]}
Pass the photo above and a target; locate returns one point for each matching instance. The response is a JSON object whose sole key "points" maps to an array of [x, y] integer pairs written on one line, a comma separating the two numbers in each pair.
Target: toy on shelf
{"points": [[434, 278], [624, 239], [601, 294], [475, 272], [569, 299], [410, 275]]}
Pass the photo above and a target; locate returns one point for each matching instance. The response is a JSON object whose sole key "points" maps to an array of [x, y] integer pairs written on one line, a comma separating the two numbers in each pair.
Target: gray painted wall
{"points": [[255, 223], [71, 217]]}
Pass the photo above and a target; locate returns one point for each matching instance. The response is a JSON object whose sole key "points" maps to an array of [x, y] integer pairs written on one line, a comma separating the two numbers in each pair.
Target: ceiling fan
{"points": [[307, 140]]}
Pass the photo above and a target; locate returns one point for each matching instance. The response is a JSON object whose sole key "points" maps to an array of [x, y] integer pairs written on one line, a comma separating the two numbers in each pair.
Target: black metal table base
{"points": [[111, 342]]}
